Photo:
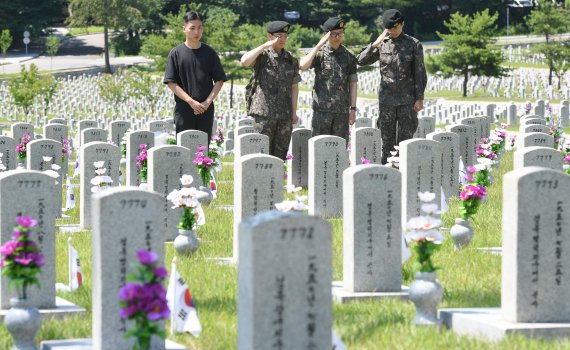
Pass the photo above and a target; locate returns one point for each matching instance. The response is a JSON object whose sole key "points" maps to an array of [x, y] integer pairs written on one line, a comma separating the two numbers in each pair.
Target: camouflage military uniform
{"points": [[403, 82], [334, 71], [271, 103]]}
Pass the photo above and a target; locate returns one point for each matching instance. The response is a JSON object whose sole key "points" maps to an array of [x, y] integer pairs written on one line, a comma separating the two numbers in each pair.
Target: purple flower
{"points": [[129, 291], [201, 148], [290, 156], [16, 235], [24, 259], [364, 160], [26, 221], [160, 272], [158, 309], [471, 169], [143, 146], [128, 311], [147, 257]]}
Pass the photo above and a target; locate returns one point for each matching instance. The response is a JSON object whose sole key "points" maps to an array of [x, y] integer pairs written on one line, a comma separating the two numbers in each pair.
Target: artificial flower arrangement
{"points": [[297, 203], [142, 162], [187, 199], [143, 300], [100, 181], [22, 149], [204, 164]]}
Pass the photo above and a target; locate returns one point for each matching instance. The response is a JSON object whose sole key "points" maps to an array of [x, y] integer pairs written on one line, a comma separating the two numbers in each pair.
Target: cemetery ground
{"points": [[470, 278]]}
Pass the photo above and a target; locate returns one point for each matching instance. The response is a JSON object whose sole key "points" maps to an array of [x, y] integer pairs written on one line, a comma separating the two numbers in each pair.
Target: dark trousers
{"points": [[397, 124], [185, 119], [279, 132]]}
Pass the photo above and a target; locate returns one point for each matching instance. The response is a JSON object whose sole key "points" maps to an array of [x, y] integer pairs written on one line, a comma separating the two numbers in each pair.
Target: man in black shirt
{"points": [[195, 75]]}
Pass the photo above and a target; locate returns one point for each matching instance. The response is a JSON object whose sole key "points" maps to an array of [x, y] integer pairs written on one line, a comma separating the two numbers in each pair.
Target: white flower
{"points": [[292, 189], [286, 205], [1, 154], [95, 189], [174, 195], [299, 206], [55, 167], [47, 159], [430, 235], [100, 171], [186, 180], [301, 198], [2, 167], [99, 164], [430, 208], [424, 223], [51, 173], [485, 161], [426, 196]]}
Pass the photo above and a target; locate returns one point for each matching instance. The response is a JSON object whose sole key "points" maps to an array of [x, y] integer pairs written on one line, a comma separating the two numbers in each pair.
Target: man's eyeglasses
{"points": [[337, 35], [281, 35]]}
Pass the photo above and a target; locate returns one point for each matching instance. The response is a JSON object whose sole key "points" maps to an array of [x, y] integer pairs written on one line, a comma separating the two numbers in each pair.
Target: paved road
{"points": [[80, 52]]}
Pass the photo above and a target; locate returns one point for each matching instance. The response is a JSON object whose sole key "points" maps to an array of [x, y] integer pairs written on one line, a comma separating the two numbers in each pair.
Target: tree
{"points": [[113, 89], [31, 15], [468, 49], [111, 14], [5, 42], [557, 56], [52, 46], [143, 85], [29, 85], [547, 19]]}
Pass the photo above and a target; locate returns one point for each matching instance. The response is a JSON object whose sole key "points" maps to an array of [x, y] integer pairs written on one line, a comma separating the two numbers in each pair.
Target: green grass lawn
{"points": [[469, 277], [73, 31]]}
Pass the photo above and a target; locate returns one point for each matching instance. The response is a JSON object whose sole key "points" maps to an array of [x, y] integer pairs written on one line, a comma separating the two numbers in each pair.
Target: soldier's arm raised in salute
{"points": [[370, 53], [248, 58], [306, 61]]}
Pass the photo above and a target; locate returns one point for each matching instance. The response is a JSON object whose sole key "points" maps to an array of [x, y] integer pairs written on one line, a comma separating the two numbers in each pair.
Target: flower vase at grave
{"points": [[461, 233], [206, 199], [186, 242], [426, 293], [21, 165], [23, 322], [143, 185]]}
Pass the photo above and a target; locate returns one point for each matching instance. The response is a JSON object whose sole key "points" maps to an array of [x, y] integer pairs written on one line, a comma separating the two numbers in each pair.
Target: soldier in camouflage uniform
{"points": [[274, 102], [336, 82], [404, 79]]}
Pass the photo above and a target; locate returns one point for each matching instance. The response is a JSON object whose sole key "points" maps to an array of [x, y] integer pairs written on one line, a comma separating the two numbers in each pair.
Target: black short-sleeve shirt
{"points": [[194, 70]]}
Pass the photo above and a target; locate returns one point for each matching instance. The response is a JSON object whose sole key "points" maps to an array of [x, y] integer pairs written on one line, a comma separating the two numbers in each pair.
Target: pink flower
{"points": [[471, 169], [201, 148], [364, 160], [290, 156], [26, 221], [9, 247]]}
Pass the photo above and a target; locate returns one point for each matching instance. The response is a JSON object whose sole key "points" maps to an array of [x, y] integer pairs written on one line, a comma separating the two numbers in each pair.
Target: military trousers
{"points": [[279, 130], [328, 123], [396, 124]]}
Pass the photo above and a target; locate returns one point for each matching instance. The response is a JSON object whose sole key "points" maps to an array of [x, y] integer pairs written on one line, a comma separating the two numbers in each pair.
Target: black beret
{"points": [[278, 27], [391, 17], [333, 23]]}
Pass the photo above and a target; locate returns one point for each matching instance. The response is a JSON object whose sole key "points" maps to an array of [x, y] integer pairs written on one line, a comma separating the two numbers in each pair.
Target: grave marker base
{"points": [[343, 296], [62, 309], [488, 323], [225, 261], [492, 250], [69, 228], [87, 344]]}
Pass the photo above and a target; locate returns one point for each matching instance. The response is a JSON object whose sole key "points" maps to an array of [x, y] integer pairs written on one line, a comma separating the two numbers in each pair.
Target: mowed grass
{"points": [[470, 278]]}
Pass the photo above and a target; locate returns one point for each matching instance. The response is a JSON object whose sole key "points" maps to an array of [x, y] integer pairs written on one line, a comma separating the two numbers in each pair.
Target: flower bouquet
{"points": [[100, 181], [142, 163], [295, 204], [204, 165], [192, 216], [64, 151], [21, 261], [422, 232], [566, 161], [21, 149], [143, 300]]}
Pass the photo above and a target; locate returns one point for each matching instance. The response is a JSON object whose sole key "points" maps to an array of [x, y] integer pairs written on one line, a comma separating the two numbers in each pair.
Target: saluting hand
{"points": [[380, 38], [324, 40], [270, 43]]}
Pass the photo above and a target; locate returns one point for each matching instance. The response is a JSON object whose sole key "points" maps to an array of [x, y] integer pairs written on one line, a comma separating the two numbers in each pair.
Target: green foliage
{"points": [[468, 49], [356, 34], [557, 57], [5, 41], [302, 37], [143, 86], [424, 251], [29, 84], [113, 89], [52, 45], [34, 16], [547, 19]]}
